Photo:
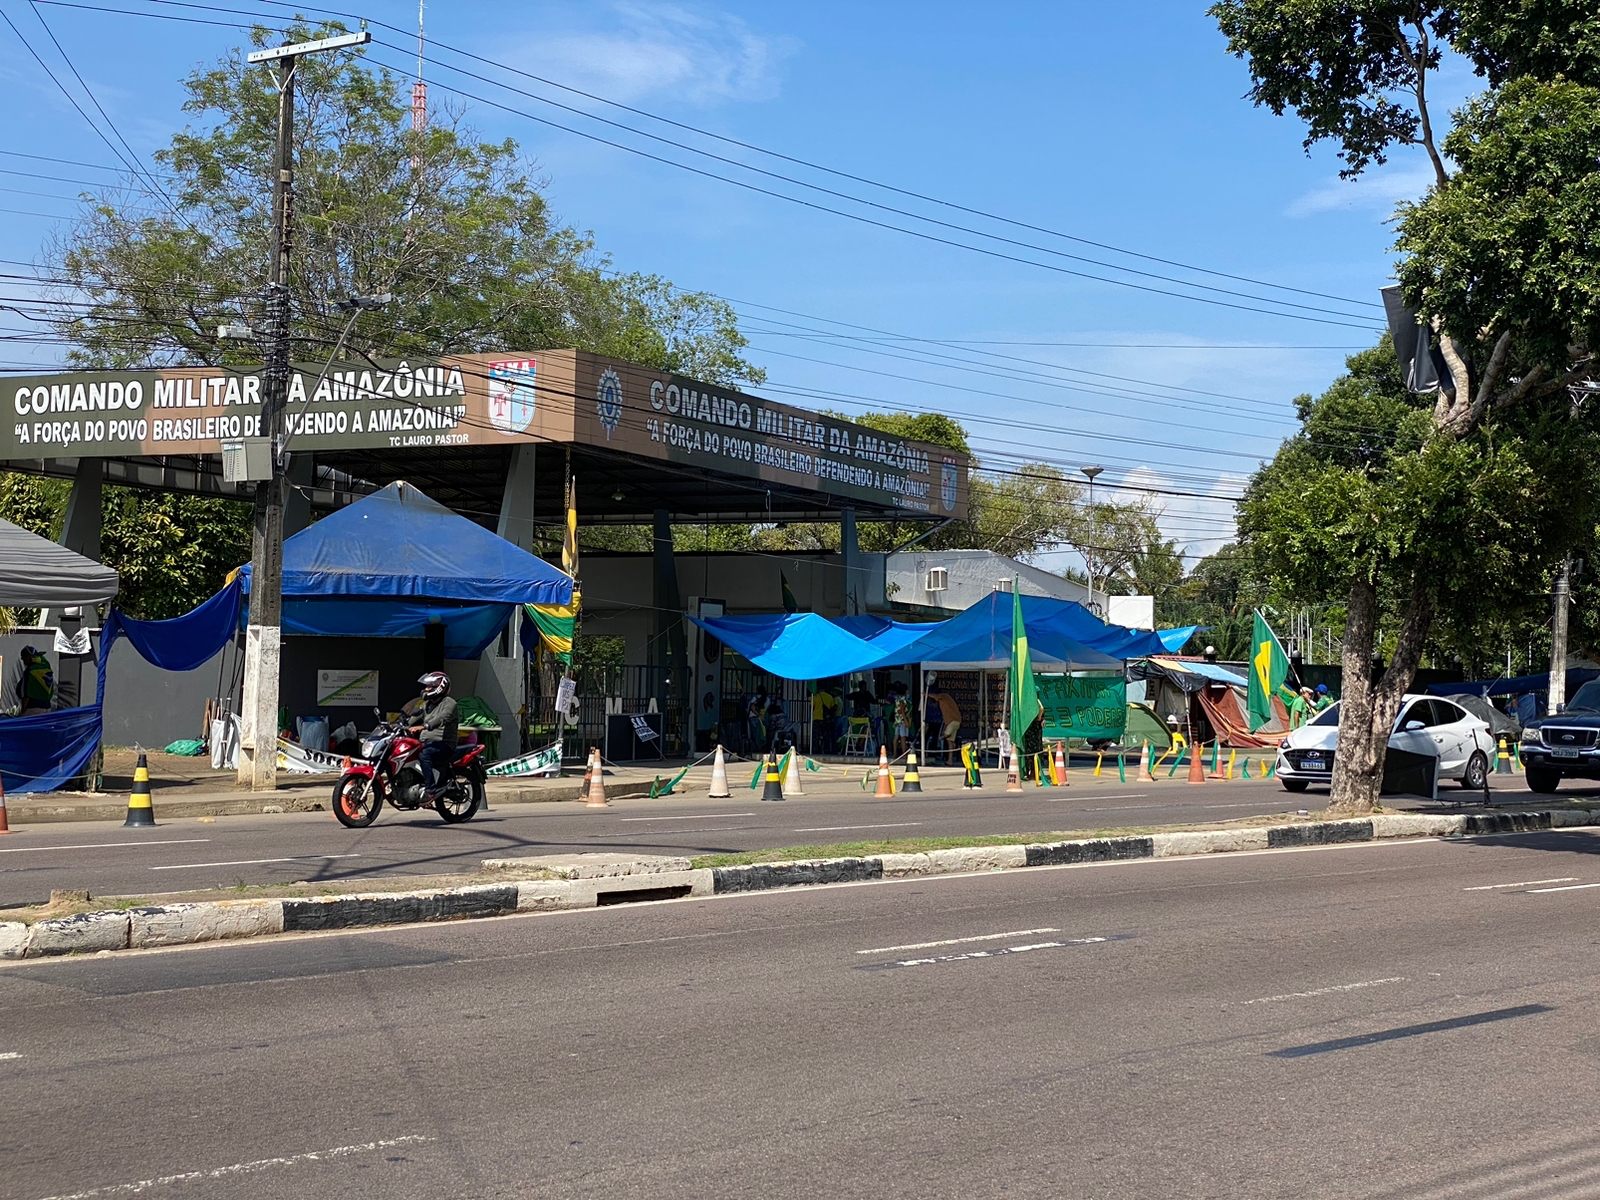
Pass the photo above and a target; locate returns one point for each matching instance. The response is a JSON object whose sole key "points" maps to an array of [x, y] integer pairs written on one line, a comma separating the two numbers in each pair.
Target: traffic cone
{"points": [[597, 782], [719, 776], [4, 826], [912, 781], [140, 811], [1502, 764], [1197, 764], [885, 784], [1061, 764], [1013, 776], [791, 780], [1146, 774], [1216, 761], [773, 790]]}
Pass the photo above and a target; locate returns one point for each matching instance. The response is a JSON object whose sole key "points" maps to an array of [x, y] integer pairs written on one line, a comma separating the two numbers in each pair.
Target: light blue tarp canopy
{"points": [[396, 561], [793, 645], [883, 633], [1061, 636], [1175, 639]]}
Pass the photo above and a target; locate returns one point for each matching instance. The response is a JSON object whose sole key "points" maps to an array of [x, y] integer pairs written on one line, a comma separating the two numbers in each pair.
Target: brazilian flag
{"points": [[556, 624], [1269, 667], [1024, 694]]}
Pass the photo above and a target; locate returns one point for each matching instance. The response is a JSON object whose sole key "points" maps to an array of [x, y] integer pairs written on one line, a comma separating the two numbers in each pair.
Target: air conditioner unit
{"points": [[1003, 584], [937, 580]]}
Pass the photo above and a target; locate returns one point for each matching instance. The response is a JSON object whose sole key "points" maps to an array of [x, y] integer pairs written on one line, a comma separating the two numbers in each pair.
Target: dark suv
{"points": [[1564, 746]]}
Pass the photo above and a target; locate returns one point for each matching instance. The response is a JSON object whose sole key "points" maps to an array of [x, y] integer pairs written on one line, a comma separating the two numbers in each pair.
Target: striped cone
{"points": [[141, 812], [912, 781], [885, 783], [1216, 771], [1013, 775], [1061, 763], [597, 782], [773, 787]]}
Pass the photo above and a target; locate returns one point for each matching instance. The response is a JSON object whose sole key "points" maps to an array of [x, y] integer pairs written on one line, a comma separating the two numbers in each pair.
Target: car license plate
{"points": [[1313, 764], [1563, 752]]}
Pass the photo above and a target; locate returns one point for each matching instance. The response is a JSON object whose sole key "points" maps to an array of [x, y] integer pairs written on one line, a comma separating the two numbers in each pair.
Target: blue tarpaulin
{"points": [[46, 751], [395, 562], [1514, 686], [185, 642], [1061, 636], [883, 633], [793, 645], [1175, 639]]}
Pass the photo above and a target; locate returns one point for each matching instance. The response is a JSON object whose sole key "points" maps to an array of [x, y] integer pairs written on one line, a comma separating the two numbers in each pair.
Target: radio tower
{"points": [[419, 91]]}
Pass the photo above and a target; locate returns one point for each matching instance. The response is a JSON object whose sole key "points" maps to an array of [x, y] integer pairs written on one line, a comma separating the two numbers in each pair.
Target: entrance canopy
{"points": [[395, 561], [36, 573]]}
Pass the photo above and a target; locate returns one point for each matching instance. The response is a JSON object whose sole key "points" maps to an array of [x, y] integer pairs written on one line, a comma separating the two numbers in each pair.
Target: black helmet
{"points": [[435, 684]]}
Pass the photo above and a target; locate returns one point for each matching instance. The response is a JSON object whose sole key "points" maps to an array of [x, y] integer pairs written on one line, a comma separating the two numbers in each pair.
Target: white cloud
{"points": [[1378, 189], [697, 56]]}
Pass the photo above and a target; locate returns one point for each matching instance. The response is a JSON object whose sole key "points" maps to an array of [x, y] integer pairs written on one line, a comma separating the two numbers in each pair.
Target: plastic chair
{"points": [[857, 737]]}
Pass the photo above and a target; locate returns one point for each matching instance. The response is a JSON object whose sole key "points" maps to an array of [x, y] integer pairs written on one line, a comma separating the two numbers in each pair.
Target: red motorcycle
{"points": [[391, 770]]}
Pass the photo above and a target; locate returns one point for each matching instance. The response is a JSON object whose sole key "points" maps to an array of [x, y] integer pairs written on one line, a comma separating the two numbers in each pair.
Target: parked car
{"points": [[1563, 746], [1428, 725]]}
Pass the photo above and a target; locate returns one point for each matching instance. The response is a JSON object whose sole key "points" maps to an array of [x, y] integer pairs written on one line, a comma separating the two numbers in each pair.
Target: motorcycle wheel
{"points": [[356, 801], [460, 799]]}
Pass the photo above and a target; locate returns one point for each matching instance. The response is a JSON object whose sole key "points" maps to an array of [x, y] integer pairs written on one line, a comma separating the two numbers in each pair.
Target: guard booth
{"points": [[500, 438]]}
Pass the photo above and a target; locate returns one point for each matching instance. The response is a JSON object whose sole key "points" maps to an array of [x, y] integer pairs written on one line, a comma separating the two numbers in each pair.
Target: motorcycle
{"points": [[390, 769]]}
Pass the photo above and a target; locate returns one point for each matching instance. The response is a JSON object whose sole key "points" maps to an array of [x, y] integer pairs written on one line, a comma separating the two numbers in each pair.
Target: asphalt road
{"points": [[182, 854], [1389, 1020]]}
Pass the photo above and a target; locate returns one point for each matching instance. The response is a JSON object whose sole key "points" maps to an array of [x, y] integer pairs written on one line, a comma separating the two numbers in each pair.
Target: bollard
{"points": [[912, 781], [1122, 768], [885, 783], [1232, 754], [141, 811], [719, 776], [773, 790], [597, 782], [791, 780]]}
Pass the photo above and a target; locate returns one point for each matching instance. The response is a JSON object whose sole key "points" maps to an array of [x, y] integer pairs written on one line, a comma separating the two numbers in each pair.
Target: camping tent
{"points": [[35, 573], [396, 561], [44, 751]]}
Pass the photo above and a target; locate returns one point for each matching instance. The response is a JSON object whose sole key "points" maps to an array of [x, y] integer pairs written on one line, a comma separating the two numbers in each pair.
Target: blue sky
{"points": [[1121, 124]]}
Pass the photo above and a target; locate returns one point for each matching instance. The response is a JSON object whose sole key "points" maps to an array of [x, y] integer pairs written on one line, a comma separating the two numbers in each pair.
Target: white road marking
{"points": [[1571, 887], [695, 817], [1003, 950], [1327, 991], [9, 1054], [102, 845], [982, 937], [251, 862], [842, 828], [1118, 796], [248, 1168], [1489, 887]]}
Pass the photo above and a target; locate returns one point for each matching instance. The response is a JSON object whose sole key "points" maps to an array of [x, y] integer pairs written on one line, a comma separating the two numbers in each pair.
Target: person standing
{"points": [[948, 721], [902, 719]]}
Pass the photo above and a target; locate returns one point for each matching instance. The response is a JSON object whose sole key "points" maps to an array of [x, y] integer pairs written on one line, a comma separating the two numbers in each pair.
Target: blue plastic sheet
{"points": [[468, 628], [1175, 639], [793, 645], [398, 542], [44, 752], [185, 642], [1061, 636]]}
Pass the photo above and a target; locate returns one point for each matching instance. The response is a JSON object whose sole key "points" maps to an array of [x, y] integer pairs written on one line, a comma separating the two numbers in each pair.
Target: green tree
{"points": [[1444, 505]]}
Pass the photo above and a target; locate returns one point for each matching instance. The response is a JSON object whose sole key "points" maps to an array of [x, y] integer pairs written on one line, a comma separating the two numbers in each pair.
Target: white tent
{"points": [[36, 573]]}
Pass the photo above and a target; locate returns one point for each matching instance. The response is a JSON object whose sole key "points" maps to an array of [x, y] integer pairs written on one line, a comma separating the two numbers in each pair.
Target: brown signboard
{"points": [[481, 399]]}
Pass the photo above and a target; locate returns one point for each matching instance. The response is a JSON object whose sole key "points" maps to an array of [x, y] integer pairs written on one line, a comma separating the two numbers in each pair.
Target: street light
{"points": [[1088, 558]]}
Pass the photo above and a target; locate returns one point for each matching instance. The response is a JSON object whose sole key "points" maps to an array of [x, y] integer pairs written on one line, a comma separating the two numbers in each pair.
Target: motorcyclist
{"points": [[437, 731]]}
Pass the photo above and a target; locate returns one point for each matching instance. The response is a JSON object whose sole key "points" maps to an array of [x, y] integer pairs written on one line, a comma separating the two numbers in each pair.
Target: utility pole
{"points": [[1558, 638], [258, 753], [1088, 558]]}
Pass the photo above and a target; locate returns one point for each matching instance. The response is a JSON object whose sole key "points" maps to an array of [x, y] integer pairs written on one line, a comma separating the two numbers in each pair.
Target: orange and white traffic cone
{"points": [[1218, 769], [1061, 764], [885, 783], [1013, 775], [4, 825], [597, 782], [1146, 775]]}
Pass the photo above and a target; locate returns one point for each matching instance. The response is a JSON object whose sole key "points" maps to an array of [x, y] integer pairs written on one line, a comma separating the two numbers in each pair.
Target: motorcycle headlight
{"points": [[1532, 737], [368, 749]]}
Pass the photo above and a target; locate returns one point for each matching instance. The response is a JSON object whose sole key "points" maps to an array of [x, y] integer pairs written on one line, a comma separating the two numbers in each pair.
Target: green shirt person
{"points": [[1300, 708]]}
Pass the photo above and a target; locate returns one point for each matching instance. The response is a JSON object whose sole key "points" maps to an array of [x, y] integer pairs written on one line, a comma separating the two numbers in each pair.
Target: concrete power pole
{"points": [[1558, 638], [258, 742]]}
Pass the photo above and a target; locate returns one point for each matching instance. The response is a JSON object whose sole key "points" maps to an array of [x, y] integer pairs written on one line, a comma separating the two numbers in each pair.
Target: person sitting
{"points": [[438, 731]]}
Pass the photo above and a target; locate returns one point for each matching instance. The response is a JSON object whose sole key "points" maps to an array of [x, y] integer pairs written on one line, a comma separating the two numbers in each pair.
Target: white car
{"points": [[1430, 725]]}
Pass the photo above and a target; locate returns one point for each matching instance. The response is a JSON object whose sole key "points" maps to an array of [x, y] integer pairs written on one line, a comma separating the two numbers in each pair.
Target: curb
{"points": [[591, 881]]}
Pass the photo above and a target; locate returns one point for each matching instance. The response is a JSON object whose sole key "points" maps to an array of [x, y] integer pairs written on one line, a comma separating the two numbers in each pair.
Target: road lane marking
{"points": [[999, 952], [1489, 887], [247, 1168], [842, 828], [1118, 796], [9, 1054], [1571, 887], [1327, 991], [695, 817], [102, 845], [960, 941], [251, 862]]}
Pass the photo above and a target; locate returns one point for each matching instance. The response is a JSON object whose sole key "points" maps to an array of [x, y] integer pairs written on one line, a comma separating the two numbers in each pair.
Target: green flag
{"points": [[790, 604], [1024, 696], [1269, 667]]}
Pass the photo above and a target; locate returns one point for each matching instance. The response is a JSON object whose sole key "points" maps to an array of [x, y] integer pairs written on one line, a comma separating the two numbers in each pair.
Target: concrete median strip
{"points": [[571, 881]]}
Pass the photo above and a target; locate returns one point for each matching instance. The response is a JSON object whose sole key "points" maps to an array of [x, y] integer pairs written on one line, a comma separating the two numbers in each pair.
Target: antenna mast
{"points": [[419, 90]]}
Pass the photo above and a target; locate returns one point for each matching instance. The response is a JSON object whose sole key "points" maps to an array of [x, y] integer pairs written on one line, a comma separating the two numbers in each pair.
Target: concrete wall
{"points": [[973, 575]]}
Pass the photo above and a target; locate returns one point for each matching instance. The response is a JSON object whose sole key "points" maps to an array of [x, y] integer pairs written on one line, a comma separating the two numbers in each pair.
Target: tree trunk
{"points": [[1366, 710]]}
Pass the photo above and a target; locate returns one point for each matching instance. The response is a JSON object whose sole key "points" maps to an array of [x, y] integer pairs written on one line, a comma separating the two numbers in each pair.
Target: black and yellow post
{"points": [[140, 810], [1502, 765], [773, 788], [912, 781]]}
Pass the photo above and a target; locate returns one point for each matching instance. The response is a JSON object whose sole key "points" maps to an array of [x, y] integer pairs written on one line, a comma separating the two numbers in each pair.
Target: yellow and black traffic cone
{"points": [[773, 788], [140, 810], [912, 781], [1502, 765]]}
